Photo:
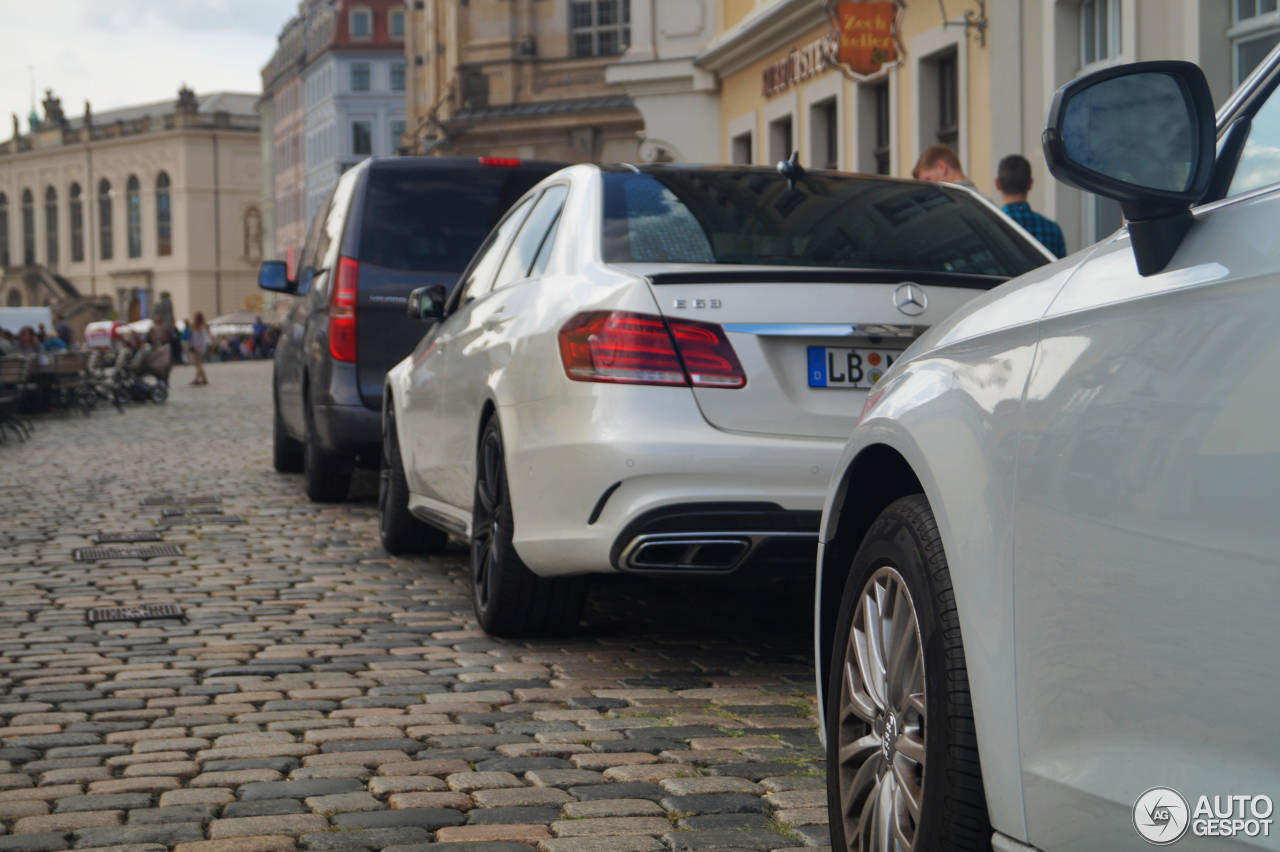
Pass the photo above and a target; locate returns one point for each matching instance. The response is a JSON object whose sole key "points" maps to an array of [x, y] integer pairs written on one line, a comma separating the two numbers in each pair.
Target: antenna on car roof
{"points": [[791, 169]]}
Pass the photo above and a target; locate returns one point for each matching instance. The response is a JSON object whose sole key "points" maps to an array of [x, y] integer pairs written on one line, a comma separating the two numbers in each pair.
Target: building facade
{"points": [[520, 78], [977, 75], [155, 206], [354, 90], [336, 84]]}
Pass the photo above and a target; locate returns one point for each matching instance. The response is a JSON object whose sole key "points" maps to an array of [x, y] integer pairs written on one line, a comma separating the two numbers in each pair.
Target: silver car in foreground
{"points": [[653, 369], [1050, 559]]}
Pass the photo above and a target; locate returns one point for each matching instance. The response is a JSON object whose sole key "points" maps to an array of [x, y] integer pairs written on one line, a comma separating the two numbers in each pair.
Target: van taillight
{"points": [[500, 162], [641, 349], [342, 310]]}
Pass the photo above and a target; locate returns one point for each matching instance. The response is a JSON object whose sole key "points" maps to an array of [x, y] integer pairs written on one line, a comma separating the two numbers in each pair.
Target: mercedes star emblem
{"points": [[910, 299]]}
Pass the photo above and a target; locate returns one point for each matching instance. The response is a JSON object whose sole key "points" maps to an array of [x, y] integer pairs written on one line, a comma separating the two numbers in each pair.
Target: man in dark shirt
{"points": [[1013, 181]]}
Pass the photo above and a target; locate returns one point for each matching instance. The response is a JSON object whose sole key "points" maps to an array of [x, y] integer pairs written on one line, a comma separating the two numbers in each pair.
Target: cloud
{"points": [[127, 52]]}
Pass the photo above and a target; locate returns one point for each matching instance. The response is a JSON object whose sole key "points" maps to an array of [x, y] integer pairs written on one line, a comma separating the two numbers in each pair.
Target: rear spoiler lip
{"points": [[784, 275]]}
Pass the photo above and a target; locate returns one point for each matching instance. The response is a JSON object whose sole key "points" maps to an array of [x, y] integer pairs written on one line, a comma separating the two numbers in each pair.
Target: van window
{"points": [[433, 220]]}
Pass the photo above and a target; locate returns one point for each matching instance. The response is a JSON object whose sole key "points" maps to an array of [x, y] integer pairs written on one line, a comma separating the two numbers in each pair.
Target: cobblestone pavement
{"points": [[322, 695]]}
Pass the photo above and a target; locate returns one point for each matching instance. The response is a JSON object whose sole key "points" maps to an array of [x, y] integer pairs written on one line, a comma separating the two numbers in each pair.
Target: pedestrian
{"points": [[1013, 182], [28, 342], [940, 164], [199, 343], [259, 329], [63, 328]]}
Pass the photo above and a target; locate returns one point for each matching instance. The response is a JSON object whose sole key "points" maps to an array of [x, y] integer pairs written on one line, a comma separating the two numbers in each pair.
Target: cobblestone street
{"points": [[322, 695]]}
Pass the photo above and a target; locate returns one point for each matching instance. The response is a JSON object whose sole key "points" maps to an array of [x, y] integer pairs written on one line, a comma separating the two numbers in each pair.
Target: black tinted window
{"points": [[433, 220], [744, 216], [525, 248]]}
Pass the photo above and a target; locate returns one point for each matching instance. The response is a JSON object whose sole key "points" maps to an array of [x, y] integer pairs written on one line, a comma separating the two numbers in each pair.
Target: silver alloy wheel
{"points": [[881, 745]]}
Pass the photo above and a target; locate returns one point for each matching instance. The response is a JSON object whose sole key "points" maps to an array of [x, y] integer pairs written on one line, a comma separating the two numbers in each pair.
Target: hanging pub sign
{"points": [[865, 35]]}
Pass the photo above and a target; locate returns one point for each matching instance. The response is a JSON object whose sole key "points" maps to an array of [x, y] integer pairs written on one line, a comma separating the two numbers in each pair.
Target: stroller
{"points": [[143, 374]]}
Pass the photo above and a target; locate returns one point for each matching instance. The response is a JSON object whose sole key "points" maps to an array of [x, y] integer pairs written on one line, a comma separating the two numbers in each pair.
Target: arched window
{"points": [[133, 210], [28, 227], [164, 216], [51, 226], [4, 231], [15, 298], [253, 234], [104, 219], [77, 224]]}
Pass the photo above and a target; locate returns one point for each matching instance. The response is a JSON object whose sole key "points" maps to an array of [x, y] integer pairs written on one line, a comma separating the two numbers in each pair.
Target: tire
{"points": [[328, 475], [400, 531], [158, 393], [509, 599], [899, 568], [286, 452]]}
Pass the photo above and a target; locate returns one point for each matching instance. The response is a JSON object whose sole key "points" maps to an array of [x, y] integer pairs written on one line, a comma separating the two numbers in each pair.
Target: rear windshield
{"points": [[753, 217], [433, 220]]}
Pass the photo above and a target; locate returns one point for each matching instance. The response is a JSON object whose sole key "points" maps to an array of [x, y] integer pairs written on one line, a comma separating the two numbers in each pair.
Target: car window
{"points": [[331, 234], [434, 219], [306, 259], [544, 253], [750, 216], [524, 249], [480, 275], [1259, 163]]}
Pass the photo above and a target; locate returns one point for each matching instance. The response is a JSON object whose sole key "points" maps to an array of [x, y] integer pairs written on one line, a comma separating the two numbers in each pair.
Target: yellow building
{"points": [[519, 78], [781, 90]]}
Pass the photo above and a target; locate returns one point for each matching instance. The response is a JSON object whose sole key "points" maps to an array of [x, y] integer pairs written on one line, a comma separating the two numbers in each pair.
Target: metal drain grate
{"points": [[134, 613], [126, 537], [197, 510], [179, 500], [146, 551], [178, 520]]}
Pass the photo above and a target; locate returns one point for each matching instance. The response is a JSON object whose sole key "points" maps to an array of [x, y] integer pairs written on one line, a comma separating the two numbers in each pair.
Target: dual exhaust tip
{"points": [[686, 553]]}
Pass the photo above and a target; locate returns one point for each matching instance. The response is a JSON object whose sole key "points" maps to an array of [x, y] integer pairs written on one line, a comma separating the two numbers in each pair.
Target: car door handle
{"points": [[497, 319]]}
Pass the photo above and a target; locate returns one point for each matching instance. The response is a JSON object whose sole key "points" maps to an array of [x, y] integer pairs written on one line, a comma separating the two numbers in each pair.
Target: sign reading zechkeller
{"points": [[863, 42]]}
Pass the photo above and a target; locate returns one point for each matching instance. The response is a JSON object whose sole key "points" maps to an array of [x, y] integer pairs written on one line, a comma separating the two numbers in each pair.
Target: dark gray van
{"points": [[389, 226]]}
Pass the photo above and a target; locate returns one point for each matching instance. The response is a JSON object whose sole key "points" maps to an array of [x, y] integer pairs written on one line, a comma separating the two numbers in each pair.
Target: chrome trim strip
{"points": [[814, 329]]}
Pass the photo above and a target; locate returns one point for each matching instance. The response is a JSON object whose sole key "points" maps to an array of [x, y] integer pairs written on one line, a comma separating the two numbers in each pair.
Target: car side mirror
{"points": [[273, 275], [427, 303], [1142, 134]]}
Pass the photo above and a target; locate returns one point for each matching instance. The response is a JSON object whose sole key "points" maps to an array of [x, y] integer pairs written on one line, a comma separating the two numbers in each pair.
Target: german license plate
{"points": [[841, 367]]}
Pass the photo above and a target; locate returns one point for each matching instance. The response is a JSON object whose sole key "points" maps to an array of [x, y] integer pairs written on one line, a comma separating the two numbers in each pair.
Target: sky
{"points": [[117, 53]]}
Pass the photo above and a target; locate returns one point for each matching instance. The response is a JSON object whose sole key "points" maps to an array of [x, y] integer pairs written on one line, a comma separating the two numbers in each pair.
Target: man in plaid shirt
{"points": [[1013, 180]]}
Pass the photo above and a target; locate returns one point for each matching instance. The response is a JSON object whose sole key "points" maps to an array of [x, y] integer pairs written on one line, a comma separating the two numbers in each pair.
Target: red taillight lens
{"points": [[709, 358], [627, 348], [342, 310], [500, 162]]}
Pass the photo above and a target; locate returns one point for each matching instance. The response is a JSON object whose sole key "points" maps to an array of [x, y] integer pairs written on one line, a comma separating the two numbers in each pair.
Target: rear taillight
{"points": [[500, 162], [342, 310], [639, 349]]}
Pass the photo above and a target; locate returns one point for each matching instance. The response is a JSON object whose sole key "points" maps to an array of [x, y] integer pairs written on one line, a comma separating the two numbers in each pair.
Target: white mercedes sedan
{"points": [[1050, 561], [654, 369]]}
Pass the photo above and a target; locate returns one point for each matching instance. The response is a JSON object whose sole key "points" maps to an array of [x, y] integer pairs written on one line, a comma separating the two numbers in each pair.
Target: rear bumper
{"points": [[349, 430], [589, 477]]}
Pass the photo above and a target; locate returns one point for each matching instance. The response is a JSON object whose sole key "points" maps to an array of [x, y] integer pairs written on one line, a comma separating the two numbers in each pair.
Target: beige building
{"points": [[977, 75], [519, 78], [148, 204]]}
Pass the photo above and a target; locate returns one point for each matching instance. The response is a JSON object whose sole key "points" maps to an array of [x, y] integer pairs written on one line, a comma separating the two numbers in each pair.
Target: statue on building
{"points": [[88, 114], [17, 125], [187, 102], [53, 114]]}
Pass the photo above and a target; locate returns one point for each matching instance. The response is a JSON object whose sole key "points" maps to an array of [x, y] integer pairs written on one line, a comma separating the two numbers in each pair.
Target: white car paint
{"points": [[1102, 452], [569, 442]]}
